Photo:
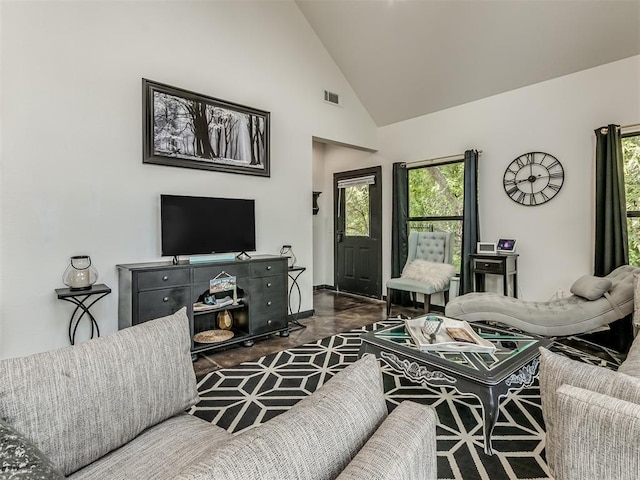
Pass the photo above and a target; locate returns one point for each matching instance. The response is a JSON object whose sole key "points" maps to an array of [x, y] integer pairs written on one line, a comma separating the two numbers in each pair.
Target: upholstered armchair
{"points": [[592, 417], [428, 269]]}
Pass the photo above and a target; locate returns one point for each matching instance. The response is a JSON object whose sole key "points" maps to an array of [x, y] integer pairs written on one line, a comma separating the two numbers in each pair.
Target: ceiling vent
{"points": [[332, 98]]}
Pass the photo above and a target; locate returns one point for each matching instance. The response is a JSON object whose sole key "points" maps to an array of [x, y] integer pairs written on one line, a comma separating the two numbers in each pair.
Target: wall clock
{"points": [[533, 178]]}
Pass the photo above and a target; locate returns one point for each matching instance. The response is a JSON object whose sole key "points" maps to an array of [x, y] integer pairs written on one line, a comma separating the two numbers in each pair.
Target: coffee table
{"points": [[486, 376]]}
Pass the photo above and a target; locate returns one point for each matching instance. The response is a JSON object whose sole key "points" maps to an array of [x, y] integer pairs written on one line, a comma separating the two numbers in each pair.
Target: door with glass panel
{"points": [[358, 231]]}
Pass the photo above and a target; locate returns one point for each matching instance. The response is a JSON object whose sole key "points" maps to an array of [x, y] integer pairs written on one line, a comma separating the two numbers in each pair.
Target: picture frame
{"points": [[191, 130], [486, 247]]}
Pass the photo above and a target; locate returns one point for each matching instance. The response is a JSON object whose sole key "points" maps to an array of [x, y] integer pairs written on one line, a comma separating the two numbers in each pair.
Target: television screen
{"points": [[201, 225]]}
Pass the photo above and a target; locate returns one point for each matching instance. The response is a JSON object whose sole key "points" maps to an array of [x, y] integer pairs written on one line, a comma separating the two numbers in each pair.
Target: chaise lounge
{"points": [[596, 301]]}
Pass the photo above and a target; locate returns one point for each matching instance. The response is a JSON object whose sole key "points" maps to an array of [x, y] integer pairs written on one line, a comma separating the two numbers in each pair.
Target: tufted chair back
{"points": [[431, 246]]}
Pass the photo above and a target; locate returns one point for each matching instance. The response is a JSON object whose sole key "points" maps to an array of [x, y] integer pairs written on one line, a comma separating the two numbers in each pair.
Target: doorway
{"points": [[358, 231]]}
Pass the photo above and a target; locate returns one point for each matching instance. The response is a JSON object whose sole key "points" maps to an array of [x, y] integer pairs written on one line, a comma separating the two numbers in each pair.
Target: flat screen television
{"points": [[202, 225]]}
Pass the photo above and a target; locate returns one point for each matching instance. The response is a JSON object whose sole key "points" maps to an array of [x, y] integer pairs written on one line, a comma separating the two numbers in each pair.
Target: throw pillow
{"points": [[590, 287], [22, 460], [437, 275]]}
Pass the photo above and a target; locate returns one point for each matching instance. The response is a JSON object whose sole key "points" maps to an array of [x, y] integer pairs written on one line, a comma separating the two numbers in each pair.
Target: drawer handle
{"points": [[269, 267], [268, 304], [165, 299], [165, 278], [269, 285], [269, 322]]}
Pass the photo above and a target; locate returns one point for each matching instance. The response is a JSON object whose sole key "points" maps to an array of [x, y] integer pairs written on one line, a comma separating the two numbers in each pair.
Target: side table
{"points": [[294, 272], [78, 298], [504, 264]]}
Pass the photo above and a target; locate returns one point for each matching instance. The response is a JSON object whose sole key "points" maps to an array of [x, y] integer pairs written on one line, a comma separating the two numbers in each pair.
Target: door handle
{"points": [[339, 236]]}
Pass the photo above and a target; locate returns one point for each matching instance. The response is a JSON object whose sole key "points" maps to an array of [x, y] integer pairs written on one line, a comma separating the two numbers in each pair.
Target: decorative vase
{"points": [[80, 274], [286, 251], [225, 320]]}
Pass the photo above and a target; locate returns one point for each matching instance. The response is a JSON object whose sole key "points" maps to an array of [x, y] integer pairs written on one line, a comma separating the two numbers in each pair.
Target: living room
{"points": [[80, 64], [73, 181]]}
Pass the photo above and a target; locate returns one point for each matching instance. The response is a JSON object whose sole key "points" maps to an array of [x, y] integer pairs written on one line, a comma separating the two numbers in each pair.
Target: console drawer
{"points": [[159, 303], [267, 324], [162, 278], [488, 266], [274, 267]]}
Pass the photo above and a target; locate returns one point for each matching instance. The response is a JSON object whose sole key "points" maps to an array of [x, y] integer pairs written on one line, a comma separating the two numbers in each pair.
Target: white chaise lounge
{"points": [[596, 301]]}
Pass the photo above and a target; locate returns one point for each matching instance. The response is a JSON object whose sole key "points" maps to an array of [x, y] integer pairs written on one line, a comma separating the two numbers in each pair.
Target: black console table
{"points": [[505, 264], [294, 273], [78, 298], [155, 289]]}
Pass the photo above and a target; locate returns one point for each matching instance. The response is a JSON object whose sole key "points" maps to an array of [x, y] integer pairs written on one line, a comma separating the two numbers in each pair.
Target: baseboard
{"points": [[323, 287], [303, 314]]}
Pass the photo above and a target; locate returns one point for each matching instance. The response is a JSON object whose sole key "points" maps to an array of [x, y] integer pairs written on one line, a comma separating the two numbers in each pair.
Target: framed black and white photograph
{"points": [[190, 130]]}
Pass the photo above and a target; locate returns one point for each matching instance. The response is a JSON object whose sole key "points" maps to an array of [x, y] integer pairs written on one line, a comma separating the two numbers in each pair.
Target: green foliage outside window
{"points": [[356, 208], [631, 155], [438, 191]]}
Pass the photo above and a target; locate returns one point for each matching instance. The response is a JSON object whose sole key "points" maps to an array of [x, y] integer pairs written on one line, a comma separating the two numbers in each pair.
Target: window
{"points": [[436, 195], [356, 211], [631, 155]]}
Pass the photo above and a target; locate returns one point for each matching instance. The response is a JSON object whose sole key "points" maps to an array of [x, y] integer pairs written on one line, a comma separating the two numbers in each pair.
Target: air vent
{"points": [[332, 98]]}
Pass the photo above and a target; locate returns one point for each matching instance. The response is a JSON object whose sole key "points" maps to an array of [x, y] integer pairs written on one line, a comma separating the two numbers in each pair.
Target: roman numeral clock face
{"points": [[533, 178]]}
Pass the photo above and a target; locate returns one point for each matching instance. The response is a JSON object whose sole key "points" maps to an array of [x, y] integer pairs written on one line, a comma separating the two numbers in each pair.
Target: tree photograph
{"points": [[207, 133]]}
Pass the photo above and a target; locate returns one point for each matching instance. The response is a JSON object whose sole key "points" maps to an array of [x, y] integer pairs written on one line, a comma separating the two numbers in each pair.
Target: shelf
{"points": [[239, 306], [237, 337]]}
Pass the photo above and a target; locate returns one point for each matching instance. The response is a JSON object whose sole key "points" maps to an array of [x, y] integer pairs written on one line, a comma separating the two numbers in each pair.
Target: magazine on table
{"points": [[435, 332]]}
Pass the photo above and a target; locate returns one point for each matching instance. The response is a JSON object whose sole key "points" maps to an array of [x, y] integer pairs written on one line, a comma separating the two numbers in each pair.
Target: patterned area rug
{"points": [[251, 393]]}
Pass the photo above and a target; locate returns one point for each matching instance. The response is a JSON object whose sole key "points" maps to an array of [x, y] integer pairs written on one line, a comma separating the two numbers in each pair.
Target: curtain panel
{"points": [[470, 220], [611, 246], [399, 230]]}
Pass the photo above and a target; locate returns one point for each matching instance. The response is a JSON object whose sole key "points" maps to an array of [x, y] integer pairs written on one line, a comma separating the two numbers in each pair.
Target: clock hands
{"points": [[531, 178]]}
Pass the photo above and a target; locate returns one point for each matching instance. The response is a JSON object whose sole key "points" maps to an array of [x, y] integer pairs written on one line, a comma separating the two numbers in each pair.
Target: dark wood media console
{"points": [[152, 290]]}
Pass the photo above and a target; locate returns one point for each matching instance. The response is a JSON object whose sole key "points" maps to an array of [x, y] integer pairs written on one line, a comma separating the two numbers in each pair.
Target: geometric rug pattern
{"points": [[241, 397]]}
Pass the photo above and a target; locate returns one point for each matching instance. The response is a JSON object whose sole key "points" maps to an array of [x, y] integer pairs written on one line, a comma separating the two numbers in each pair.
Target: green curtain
{"points": [[470, 219], [611, 247], [399, 230]]}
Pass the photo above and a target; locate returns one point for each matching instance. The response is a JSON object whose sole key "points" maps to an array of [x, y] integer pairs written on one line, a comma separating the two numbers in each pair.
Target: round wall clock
{"points": [[533, 178]]}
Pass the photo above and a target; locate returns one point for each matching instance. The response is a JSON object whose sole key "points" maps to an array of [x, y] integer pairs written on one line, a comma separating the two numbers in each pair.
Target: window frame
{"points": [[630, 213]]}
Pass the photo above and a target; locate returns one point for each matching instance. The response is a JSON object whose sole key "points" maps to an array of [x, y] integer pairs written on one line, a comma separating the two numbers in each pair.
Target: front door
{"points": [[358, 226]]}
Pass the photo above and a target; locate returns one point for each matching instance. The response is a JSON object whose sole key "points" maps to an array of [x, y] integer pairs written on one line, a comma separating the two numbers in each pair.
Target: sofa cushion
{"points": [[79, 403], [556, 370], [590, 287], [160, 452], [316, 439], [20, 459], [404, 446], [631, 366], [600, 436]]}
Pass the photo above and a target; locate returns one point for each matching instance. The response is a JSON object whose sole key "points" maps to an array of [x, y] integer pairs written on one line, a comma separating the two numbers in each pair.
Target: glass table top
{"points": [[510, 346]]}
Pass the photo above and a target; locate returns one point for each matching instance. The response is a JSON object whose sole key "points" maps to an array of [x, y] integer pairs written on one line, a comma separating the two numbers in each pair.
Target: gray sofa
{"points": [[592, 417], [114, 408]]}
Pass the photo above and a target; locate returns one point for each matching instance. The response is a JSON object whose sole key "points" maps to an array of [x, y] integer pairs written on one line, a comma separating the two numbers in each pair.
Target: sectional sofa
{"points": [[114, 408]]}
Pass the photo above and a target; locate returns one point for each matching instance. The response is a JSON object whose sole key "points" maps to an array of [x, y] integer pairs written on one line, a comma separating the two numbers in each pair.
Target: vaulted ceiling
{"points": [[407, 58]]}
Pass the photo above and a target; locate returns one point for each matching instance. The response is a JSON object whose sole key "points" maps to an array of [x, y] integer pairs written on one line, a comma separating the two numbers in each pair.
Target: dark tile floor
{"points": [[334, 313], [340, 312]]}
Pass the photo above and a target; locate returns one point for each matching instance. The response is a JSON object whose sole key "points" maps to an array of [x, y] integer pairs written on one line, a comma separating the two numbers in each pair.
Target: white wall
{"points": [[72, 178], [320, 228], [555, 240]]}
